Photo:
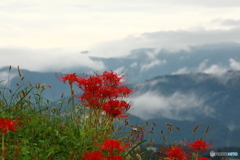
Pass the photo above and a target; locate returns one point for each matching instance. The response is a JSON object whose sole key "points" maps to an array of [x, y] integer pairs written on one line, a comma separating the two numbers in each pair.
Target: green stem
{"points": [[2, 146], [72, 99]]}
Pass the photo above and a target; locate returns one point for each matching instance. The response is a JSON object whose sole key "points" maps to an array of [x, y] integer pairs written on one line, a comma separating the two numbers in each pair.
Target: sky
{"points": [[46, 34]]}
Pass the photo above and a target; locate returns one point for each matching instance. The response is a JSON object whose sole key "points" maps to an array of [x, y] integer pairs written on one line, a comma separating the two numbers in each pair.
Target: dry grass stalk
{"points": [[128, 157], [154, 124], [147, 123], [126, 122], [23, 93], [169, 124], [72, 91], [207, 130], [154, 153], [195, 128], [16, 152], [22, 78], [37, 85], [164, 138], [34, 157], [138, 149], [170, 129], [19, 72], [29, 83], [180, 145], [178, 128], [62, 95], [174, 144], [138, 157]]}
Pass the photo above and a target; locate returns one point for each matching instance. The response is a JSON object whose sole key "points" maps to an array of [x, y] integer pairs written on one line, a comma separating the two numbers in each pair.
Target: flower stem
{"points": [[72, 99], [2, 146]]}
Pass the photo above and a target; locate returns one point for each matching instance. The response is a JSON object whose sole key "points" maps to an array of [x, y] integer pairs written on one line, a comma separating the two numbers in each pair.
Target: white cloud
{"points": [[120, 70], [152, 104], [171, 41], [214, 69], [234, 64], [152, 64], [202, 65], [56, 60], [133, 65], [183, 70]]}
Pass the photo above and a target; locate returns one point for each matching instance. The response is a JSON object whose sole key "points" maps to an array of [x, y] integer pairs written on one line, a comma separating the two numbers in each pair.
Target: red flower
{"points": [[115, 108], [110, 145], [111, 79], [199, 145], [99, 87], [202, 158], [68, 77], [7, 124], [116, 157], [176, 154], [93, 155]]}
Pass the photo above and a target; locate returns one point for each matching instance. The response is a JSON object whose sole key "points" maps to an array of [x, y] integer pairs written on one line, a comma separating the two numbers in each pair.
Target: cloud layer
{"points": [[153, 104], [55, 60], [171, 41]]}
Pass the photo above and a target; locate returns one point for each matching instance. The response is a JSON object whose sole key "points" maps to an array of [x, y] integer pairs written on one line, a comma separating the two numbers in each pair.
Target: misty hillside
{"points": [[185, 100]]}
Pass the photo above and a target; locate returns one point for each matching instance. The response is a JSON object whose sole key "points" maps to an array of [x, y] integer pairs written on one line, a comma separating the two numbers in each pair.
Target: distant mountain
{"points": [[178, 88], [146, 63], [192, 99]]}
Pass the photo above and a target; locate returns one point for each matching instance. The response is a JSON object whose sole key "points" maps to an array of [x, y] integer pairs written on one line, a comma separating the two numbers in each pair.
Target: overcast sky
{"points": [[40, 32]]}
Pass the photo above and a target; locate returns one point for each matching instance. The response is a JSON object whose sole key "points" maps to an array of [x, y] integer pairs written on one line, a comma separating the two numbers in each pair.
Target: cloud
{"points": [[234, 64], [171, 41], [213, 69], [133, 65], [154, 63], [227, 22], [47, 60], [207, 3], [183, 70], [152, 104], [204, 68]]}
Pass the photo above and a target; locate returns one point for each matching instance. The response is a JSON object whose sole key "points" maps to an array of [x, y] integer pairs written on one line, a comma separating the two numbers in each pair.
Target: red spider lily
{"points": [[202, 158], [110, 145], [103, 86], [111, 79], [176, 154], [115, 108], [7, 124], [68, 77], [93, 155], [116, 157], [199, 145]]}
